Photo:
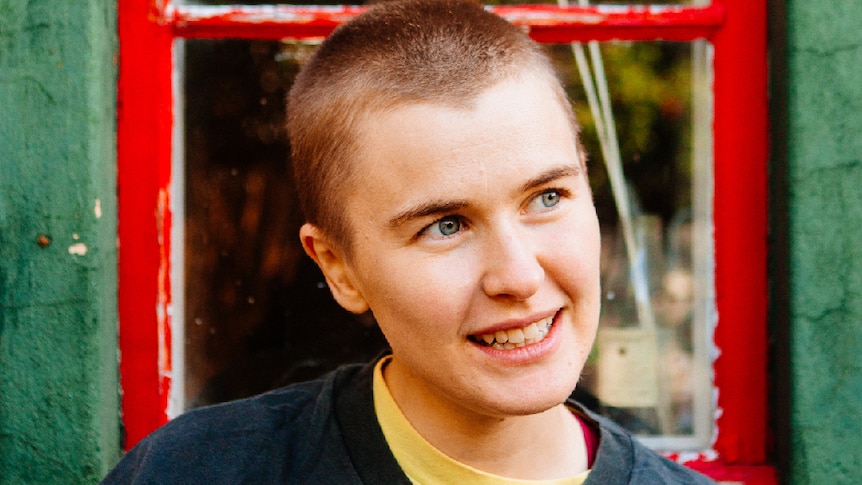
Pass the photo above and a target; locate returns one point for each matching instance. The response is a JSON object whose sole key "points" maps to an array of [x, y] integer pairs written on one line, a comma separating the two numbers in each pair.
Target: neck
{"points": [[545, 445]]}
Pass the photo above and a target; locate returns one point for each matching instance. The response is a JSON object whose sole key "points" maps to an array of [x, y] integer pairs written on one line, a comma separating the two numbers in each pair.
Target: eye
{"points": [[550, 198], [546, 200], [443, 228]]}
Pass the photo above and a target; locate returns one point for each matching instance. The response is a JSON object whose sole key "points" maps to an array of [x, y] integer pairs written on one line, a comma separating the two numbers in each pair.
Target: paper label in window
{"points": [[627, 367]]}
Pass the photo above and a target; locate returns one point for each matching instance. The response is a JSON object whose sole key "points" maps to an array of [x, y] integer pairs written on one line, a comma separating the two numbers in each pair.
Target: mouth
{"points": [[516, 337]]}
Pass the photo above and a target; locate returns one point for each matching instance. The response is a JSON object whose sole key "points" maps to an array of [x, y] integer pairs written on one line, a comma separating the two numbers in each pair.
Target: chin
{"points": [[532, 402], [532, 408]]}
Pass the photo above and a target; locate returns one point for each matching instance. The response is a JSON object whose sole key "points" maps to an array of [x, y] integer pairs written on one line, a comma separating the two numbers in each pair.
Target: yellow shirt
{"points": [[423, 463]]}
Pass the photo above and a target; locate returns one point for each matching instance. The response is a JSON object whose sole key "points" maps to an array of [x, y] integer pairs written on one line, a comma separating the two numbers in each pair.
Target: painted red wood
{"points": [[546, 23], [740, 218], [579, 24], [144, 170], [737, 29], [748, 475]]}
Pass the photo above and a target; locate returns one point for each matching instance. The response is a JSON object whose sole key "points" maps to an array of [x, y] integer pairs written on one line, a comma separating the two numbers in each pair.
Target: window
{"points": [[201, 150]]}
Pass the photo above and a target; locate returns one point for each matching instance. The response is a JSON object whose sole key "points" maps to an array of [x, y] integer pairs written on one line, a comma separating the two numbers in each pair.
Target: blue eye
{"points": [[447, 226], [544, 201], [444, 227], [550, 198]]}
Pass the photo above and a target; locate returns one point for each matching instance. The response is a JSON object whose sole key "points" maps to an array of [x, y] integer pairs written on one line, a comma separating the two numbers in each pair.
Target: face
{"points": [[476, 245]]}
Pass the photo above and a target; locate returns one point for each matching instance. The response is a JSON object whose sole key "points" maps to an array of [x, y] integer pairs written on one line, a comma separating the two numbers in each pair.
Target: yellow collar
{"points": [[423, 463]]}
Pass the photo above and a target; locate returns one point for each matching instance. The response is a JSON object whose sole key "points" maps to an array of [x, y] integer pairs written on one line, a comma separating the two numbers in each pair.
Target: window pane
{"points": [[650, 368], [258, 314]]}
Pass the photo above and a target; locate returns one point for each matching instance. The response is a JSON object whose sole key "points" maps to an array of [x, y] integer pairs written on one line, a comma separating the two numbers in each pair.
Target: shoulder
{"points": [[621, 459], [263, 438]]}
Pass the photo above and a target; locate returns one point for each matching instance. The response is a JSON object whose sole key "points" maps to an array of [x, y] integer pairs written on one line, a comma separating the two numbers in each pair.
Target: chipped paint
{"points": [[97, 209], [258, 14], [144, 139], [546, 23], [163, 297], [79, 249], [686, 457]]}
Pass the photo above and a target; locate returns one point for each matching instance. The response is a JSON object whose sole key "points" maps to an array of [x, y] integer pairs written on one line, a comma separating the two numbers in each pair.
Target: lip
{"points": [[528, 353], [519, 323]]}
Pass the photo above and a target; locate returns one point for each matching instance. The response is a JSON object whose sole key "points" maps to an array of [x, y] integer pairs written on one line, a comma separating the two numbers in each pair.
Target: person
{"points": [[445, 190]]}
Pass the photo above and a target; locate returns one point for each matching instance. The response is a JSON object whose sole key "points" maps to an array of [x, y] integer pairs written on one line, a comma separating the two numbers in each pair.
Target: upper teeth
{"points": [[517, 337]]}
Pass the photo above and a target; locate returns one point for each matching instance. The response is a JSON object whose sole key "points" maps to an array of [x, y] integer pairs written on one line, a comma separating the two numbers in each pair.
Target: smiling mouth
{"points": [[516, 337]]}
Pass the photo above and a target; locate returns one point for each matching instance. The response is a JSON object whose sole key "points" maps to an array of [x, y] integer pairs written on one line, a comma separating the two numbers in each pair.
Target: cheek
{"points": [[424, 295], [576, 255], [576, 266]]}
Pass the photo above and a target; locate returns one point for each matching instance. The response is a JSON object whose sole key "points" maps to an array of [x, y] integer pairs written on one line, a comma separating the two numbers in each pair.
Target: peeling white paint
{"points": [[695, 456], [79, 249], [75, 236], [97, 210], [260, 13]]}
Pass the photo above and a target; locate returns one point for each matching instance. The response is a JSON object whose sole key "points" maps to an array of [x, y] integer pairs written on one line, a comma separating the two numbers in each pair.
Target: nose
{"points": [[512, 266]]}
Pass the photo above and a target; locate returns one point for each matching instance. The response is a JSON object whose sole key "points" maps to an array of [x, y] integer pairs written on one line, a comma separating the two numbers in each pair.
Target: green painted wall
{"points": [[58, 375], [818, 151], [58, 354]]}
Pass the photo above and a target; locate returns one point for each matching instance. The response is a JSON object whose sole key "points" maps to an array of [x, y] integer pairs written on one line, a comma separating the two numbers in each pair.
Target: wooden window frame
{"points": [[737, 32]]}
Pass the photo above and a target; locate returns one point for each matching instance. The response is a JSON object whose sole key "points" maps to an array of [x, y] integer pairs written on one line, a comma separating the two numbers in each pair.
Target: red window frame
{"points": [[737, 31]]}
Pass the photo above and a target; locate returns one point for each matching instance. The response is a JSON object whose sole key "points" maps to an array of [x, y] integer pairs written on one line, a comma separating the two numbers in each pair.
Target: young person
{"points": [[445, 190]]}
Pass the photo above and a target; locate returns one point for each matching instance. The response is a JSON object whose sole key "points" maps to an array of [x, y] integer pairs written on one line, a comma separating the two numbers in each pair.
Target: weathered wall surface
{"points": [[823, 147], [58, 354]]}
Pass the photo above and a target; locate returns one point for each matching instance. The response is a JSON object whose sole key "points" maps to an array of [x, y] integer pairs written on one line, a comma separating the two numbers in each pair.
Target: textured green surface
{"points": [[58, 354], [58, 382], [824, 151]]}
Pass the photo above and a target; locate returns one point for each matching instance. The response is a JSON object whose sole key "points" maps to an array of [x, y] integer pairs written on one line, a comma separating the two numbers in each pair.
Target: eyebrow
{"points": [[427, 209], [447, 206], [555, 173]]}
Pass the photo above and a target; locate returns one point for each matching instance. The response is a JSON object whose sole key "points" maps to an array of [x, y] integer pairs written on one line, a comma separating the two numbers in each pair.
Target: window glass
{"points": [[650, 368], [258, 314]]}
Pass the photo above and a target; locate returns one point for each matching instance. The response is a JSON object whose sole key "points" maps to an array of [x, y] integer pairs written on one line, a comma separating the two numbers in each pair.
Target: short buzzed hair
{"points": [[402, 52]]}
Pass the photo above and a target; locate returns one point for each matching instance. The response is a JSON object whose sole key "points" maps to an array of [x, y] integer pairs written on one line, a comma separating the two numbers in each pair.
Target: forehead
{"points": [[511, 130], [526, 102]]}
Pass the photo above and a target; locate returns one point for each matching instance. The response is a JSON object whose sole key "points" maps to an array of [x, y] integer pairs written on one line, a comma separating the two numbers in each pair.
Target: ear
{"points": [[335, 268]]}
